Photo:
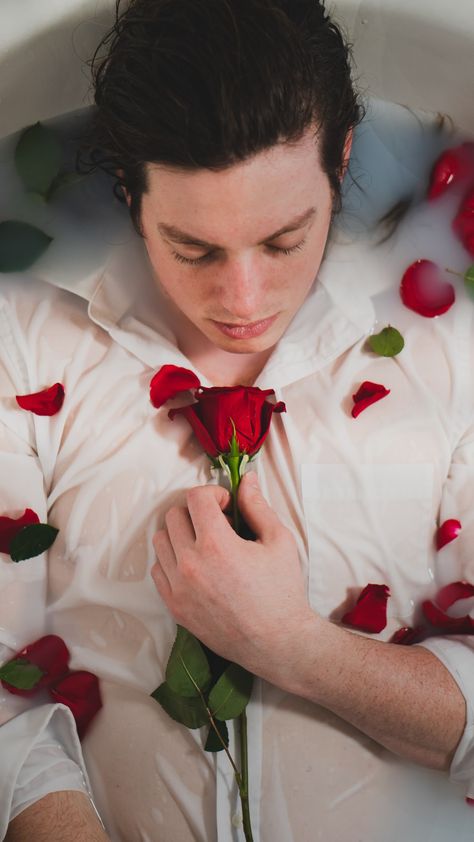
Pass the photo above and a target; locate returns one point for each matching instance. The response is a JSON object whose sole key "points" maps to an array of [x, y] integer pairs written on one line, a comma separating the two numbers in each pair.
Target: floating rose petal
{"points": [[452, 167], [10, 527], [423, 289], [463, 222], [50, 654], [447, 532], [370, 611], [406, 636], [367, 394], [47, 402], [469, 801], [80, 692], [447, 596], [169, 381]]}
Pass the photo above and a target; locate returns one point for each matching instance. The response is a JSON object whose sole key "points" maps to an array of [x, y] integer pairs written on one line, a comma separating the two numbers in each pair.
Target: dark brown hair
{"points": [[209, 83]]}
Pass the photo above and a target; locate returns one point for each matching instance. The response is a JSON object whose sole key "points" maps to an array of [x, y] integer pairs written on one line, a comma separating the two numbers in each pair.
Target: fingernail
{"points": [[252, 478]]}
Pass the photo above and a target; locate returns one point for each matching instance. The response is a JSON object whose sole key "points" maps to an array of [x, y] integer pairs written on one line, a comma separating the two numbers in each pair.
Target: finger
{"points": [[206, 505], [165, 556], [259, 516], [180, 530], [161, 582]]}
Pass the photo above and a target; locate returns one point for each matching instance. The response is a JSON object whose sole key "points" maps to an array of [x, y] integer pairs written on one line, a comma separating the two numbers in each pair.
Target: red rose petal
{"points": [[423, 289], [47, 402], [453, 166], [367, 394], [407, 635], [469, 801], [435, 612], [451, 593], [447, 532], [80, 692], [463, 223], [50, 654], [370, 611], [169, 381], [9, 528]]}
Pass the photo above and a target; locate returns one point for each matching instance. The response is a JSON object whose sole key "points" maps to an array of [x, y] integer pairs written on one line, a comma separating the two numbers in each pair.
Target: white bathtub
{"points": [[418, 53]]}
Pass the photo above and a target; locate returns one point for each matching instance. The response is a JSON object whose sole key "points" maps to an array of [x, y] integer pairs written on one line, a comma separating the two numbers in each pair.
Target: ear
{"points": [[346, 153], [120, 174]]}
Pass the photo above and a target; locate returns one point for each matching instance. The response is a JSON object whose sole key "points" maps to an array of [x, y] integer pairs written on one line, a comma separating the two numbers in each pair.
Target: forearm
{"points": [[403, 697], [58, 817]]}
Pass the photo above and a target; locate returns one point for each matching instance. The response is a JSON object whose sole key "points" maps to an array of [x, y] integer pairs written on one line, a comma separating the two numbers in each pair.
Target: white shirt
{"points": [[363, 498]]}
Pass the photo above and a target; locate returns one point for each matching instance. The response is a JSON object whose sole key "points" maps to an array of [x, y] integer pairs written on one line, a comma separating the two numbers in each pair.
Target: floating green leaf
{"points": [[20, 245], [187, 671], [64, 179], [38, 158], [213, 743], [469, 280], [388, 343], [230, 695], [32, 540], [21, 674], [190, 712]]}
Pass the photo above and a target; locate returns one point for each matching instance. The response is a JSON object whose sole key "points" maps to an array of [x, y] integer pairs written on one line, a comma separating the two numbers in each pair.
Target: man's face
{"points": [[236, 248]]}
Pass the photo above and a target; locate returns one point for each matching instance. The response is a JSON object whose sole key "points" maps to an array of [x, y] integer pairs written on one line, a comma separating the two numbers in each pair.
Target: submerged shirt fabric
{"points": [[363, 498]]}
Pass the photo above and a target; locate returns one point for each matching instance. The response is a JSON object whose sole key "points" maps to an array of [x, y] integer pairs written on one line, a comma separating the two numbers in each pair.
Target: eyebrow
{"points": [[178, 236]]}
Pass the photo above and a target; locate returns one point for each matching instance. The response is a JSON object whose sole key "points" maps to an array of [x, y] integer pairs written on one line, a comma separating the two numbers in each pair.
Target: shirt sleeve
{"points": [[455, 562], [39, 747]]}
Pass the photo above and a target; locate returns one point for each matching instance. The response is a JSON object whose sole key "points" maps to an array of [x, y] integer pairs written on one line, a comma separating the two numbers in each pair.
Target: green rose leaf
{"points": [[38, 158], [190, 712], [388, 343], [213, 743], [231, 693], [21, 674], [187, 671], [20, 245], [469, 280], [32, 540]]}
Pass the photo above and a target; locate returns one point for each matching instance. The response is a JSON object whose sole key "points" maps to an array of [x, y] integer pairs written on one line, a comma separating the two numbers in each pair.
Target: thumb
{"points": [[258, 515]]}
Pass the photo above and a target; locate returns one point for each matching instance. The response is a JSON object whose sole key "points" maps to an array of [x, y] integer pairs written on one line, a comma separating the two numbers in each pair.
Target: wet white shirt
{"points": [[363, 498]]}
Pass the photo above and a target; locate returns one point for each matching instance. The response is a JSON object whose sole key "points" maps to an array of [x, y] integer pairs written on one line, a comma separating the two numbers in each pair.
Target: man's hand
{"points": [[246, 600]]}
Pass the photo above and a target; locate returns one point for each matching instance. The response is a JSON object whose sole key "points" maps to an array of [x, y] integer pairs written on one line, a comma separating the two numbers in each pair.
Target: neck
{"points": [[221, 368]]}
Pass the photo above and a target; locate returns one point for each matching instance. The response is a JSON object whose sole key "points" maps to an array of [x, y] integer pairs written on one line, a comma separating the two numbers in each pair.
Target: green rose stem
{"points": [[231, 462]]}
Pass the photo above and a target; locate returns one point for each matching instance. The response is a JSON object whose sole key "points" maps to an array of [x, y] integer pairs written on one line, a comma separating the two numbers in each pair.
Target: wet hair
{"points": [[210, 83]]}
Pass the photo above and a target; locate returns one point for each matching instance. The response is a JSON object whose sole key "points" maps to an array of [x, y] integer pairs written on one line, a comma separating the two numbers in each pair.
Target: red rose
{"points": [[424, 290], [80, 692], [218, 408], [370, 611], [47, 402], [10, 527], [50, 654]]}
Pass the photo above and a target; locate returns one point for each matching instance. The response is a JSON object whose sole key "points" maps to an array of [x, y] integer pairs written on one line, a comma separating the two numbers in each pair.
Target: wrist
{"points": [[296, 659]]}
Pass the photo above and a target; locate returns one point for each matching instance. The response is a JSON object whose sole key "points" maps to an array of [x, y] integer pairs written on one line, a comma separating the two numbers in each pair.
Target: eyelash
{"points": [[207, 257]]}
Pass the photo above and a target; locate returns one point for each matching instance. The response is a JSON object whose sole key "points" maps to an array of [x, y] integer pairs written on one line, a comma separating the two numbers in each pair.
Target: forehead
{"points": [[267, 189]]}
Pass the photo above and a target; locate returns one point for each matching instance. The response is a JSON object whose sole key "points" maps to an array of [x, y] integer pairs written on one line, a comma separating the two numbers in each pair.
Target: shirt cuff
{"points": [[40, 753], [457, 655]]}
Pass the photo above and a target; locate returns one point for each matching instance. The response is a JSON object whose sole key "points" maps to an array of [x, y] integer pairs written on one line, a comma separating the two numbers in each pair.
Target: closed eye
{"points": [[206, 258]]}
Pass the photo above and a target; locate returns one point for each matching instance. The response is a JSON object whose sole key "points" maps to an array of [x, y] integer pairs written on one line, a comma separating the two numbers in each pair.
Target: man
{"points": [[229, 125]]}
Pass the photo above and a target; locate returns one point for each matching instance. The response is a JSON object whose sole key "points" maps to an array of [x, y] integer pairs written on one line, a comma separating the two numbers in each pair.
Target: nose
{"points": [[242, 293]]}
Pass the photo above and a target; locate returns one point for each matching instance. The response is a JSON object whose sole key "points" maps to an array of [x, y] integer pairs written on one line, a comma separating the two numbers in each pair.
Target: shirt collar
{"points": [[336, 314]]}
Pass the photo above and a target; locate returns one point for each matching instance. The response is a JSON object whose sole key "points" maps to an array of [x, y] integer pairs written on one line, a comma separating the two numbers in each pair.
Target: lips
{"points": [[245, 331]]}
